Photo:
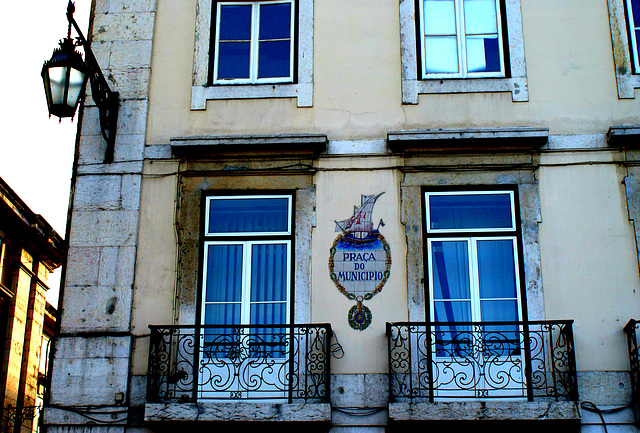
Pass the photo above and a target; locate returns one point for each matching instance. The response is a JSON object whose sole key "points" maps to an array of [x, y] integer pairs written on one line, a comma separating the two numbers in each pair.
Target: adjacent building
{"points": [[29, 251], [356, 216]]}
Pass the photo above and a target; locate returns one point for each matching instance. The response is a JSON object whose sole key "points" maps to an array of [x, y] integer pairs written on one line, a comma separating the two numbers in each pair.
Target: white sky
{"points": [[36, 152]]}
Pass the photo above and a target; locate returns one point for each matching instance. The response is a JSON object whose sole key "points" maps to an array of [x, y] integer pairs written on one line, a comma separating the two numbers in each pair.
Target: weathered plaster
{"points": [[484, 411], [237, 411]]}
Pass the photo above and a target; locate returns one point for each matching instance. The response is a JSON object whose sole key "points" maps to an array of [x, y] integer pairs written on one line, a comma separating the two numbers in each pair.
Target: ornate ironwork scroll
{"points": [[281, 362], [482, 360], [631, 330]]}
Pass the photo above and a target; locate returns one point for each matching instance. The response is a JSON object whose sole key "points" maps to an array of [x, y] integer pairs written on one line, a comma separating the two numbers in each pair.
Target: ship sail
{"points": [[360, 224]]}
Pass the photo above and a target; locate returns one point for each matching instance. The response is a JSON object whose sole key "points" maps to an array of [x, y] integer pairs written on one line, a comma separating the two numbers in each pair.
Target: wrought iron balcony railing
{"points": [[631, 329], [280, 362], [482, 360]]}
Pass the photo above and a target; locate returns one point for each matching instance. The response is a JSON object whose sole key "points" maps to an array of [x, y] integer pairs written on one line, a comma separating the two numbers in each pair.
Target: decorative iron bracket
{"points": [[106, 100]]}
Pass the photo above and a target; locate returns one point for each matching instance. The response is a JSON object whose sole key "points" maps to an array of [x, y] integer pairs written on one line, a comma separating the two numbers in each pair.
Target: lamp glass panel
{"points": [[76, 81], [56, 81]]}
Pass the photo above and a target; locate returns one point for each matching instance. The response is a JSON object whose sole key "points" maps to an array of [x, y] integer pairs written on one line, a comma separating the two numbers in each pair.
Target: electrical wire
{"points": [[589, 406]]}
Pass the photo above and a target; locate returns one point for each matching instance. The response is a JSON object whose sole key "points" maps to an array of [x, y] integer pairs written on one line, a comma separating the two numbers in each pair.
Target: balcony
{"points": [[279, 373], [631, 329], [482, 370]]}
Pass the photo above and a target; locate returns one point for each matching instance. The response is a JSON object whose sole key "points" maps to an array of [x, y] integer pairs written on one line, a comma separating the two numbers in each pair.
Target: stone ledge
{"points": [[238, 412], [255, 145], [468, 139], [484, 410], [627, 136]]}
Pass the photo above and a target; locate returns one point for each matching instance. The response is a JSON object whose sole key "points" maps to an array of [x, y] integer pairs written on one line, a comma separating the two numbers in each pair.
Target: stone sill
{"points": [[484, 411], [254, 145], [237, 411], [468, 139], [625, 136]]}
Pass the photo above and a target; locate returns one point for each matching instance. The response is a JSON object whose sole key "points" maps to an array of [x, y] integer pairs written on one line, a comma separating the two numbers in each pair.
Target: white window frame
{"points": [[245, 298], [514, 81], [254, 44], [461, 44], [301, 90], [474, 282]]}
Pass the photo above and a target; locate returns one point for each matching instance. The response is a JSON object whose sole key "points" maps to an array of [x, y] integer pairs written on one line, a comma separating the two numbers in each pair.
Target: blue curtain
{"points": [[470, 211], [242, 215]]}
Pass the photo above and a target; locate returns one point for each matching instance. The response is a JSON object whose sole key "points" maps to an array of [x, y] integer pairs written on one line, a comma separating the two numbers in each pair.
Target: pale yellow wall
{"points": [[156, 261], [357, 78], [589, 265], [589, 262], [336, 193]]}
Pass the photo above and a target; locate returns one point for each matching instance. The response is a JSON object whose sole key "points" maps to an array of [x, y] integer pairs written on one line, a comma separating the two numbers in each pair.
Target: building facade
{"points": [[346, 216], [29, 251]]}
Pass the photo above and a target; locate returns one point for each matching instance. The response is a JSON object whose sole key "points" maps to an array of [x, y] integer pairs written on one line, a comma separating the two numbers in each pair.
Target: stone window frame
{"points": [[626, 80], [515, 82], [302, 89]]}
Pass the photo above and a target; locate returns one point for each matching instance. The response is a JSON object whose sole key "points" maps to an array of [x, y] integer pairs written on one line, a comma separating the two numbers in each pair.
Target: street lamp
{"points": [[64, 77]]}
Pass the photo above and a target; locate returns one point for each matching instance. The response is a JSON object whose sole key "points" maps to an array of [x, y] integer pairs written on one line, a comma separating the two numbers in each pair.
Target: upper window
{"points": [[462, 46], [254, 42], [633, 18], [461, 38], [253, 49]]}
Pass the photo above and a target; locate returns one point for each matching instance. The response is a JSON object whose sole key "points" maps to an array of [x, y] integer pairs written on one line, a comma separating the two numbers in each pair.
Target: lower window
{"points": [[246, 292], [475, 305]]}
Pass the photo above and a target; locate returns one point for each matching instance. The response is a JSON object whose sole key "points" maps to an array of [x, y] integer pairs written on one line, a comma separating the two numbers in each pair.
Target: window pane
{"points": [[224, 273], [483, 54], [222, 314], [441, 54], [480, 17], [248, 215], [635, 8], [268, 314], [450, 267], [452, 311], [496, 269], [233, 60], [274, 59], [269, 272], [439, 17], [470, 211], [235, 23], [275, 21], [499, 311]]}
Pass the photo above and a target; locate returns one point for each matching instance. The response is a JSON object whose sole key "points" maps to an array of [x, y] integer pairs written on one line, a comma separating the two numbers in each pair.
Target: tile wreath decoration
{"points": [[360, 260]]}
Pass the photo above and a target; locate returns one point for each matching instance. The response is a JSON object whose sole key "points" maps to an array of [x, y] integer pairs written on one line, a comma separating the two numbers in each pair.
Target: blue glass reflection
{"points": [[235, 23], [450, 267], [635, 6], [496, 269], [274, 59], [255, 215], [275, 21], [268, 272], [224, 273], [233, 60], [470, 211]]}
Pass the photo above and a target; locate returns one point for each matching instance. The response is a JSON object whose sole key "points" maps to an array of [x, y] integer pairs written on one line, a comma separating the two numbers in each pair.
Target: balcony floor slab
{"points": [[238, 411]]}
